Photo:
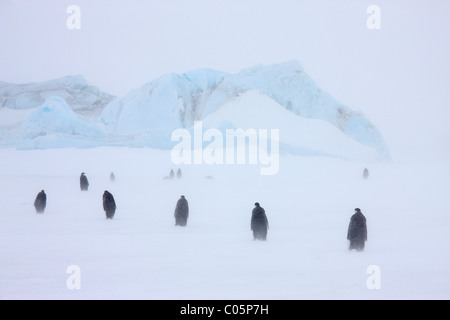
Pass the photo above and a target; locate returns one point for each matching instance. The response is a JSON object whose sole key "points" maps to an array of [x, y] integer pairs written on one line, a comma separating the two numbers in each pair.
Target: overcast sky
{"points": [[398, 76]]}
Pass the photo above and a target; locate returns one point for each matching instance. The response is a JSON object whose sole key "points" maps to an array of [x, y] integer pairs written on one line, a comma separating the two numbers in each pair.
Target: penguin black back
{"points": [[181, 212], [109, 204], [40, 202], [84, 183]]}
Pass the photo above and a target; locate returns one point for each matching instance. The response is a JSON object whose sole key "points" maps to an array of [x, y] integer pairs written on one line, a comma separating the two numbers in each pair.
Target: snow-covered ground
{"points": [[140, 254]]}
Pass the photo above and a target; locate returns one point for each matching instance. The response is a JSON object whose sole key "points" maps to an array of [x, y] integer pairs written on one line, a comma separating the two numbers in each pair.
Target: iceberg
{"points": [[177, 101], [288, 85], [169, 102], [55, 117], [83, 98], [68, 112]]}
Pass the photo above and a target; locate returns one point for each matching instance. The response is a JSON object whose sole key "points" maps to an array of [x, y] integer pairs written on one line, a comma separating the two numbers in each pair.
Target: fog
{"points": [[397, 75]]}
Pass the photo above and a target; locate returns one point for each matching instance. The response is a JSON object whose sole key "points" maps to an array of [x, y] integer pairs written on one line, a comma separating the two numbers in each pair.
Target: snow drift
{"points": [[298, 135]]}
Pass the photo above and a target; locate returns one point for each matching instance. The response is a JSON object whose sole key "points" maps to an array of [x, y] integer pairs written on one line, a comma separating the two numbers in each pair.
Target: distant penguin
{"points": [[41, 202], [172, 174], [84, 183], [259, 223], [366, 173], [112, 177], [109, 205], [179, 174], [181, 212]]}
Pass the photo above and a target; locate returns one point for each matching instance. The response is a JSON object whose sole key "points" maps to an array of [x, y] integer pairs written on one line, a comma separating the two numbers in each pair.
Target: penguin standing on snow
{"points": [[84, 183], [179, 175], [181, 212], [109, 205], [259, 223], [357, 231], [366, 173], [40, 202]]}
